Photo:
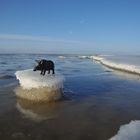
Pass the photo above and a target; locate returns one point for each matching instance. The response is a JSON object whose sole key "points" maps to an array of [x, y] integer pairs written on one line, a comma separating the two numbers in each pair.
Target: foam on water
{"points": [[97, 58], [83, 57], [36, 87], [129, 131]]}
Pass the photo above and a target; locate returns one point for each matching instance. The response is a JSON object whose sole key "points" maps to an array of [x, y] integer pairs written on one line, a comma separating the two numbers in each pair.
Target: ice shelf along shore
{"points": [[119, 64]]}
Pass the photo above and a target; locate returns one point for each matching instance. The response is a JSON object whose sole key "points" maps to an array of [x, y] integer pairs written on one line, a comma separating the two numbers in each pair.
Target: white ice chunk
{"points": [[129, 131]]}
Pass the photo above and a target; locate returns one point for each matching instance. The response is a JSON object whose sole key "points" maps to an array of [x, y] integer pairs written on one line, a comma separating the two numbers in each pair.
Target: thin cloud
{"points": [[33, 38], [82, 21], [70, 32]]}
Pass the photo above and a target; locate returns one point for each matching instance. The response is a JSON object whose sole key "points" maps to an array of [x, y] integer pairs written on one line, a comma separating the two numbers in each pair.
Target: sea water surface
{"points": [[97, 100]]}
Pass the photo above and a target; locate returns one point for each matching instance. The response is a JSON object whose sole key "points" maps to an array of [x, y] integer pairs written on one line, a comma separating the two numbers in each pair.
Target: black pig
{"points": [[44, 65]]}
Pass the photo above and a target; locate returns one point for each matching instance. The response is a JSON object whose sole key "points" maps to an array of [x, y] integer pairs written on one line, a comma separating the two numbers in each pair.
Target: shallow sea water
{"points": [[96, 102]]}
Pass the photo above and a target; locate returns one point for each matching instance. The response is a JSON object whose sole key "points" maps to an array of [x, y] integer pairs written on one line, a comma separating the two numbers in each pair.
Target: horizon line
{"points": [[34, 38]]}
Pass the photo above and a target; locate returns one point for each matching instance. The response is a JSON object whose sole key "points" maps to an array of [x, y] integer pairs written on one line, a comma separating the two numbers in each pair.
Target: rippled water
{"points": [[96, 101]]}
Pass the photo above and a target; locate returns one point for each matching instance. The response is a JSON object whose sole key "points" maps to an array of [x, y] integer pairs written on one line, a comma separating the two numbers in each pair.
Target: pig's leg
{"points": [[48, 71], [41, 72], [44, 72], [53, 71]]}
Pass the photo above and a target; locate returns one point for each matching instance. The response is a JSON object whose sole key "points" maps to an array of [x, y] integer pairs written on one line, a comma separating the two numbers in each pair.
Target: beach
{"points": [[96, 101]]}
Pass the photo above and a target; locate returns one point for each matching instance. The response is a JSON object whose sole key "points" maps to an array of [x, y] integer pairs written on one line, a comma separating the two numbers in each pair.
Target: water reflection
{"points": [[37, 111], [123, 74], [126, 75], [37, 104]]}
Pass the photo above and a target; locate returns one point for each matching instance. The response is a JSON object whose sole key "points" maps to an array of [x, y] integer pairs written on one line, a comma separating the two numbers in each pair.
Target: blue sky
{"points": [[70, 26]]}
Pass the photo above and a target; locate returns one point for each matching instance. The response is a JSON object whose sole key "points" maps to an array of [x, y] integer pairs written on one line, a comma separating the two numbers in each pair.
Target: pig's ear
{"points": [[41, 62], [38, 61]]}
